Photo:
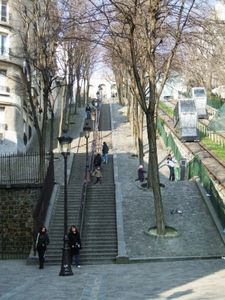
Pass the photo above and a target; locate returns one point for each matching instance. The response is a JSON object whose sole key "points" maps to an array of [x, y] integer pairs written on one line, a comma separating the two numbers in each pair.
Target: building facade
{"points": [[16, 116], [15, 122]]}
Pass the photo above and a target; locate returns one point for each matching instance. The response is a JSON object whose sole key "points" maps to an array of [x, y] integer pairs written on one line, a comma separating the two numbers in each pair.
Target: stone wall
{"points": [[16, 221]]}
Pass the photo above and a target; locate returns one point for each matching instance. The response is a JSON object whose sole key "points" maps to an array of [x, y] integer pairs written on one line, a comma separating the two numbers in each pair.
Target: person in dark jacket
{"points": [[75, 245], [141, 173], [97, 160], [88, 111], [41, 245], [105, 151]]}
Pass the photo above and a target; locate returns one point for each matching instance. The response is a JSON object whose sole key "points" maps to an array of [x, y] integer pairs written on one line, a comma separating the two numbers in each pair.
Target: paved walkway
{"points": [[198, 237], [165, 272], [186, 280]]}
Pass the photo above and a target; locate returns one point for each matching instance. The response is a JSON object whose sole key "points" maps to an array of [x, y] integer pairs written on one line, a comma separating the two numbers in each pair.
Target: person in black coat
{"points": [[75, 245], [88, 111], [41, 245], [97, 160], [141, 173]]}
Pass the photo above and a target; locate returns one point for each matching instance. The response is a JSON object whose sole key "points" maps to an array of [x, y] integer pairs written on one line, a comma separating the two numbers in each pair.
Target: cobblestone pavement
{"points": [[171, 268], [198, 235], [186, 280]]}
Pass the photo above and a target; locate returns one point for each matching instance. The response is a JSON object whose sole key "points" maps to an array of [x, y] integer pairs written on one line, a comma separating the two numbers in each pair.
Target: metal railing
{"points": [[85, 184], [22, 169]]}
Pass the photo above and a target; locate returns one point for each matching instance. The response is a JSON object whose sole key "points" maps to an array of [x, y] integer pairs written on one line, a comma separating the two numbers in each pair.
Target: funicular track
{"points": [[213, 164]]}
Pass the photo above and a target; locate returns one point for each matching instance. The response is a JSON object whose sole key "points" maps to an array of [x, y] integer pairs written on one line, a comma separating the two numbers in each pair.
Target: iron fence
{"points": [[18, 247], [22, 169]]}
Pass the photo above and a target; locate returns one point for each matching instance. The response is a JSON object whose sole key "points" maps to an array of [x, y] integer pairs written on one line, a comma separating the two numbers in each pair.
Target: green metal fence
{"points": [[195, 168], [169, 143]]}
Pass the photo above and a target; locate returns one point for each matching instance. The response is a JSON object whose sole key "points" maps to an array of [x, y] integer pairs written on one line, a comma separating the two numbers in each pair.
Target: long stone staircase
{"points": [[99, 238], [56, 230], [99, 235]]}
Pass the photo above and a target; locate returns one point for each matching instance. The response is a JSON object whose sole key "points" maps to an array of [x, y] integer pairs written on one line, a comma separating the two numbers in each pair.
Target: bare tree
{"points": [[152, 31], [39, 35]]}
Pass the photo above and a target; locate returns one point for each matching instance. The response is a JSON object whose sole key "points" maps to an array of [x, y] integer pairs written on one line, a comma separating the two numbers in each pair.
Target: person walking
{"points": [[41, 245], [88, 111], [171, 164], [75, 245], [98, 175], [105, 151], [97, 160], [141, 173]]}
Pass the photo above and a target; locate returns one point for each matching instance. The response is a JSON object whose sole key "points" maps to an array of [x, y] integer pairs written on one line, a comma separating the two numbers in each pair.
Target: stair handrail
{"points": [[86, 182]]}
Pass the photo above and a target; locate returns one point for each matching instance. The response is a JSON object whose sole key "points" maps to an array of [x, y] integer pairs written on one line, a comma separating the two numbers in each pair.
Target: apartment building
{"points": [[15, 122]]}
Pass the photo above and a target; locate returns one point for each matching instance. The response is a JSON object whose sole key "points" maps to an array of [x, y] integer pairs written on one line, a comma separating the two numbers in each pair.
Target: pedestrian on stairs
{"points": [[98, 175], [105, 151], [41, 245], [97, 160], [75, 245]]}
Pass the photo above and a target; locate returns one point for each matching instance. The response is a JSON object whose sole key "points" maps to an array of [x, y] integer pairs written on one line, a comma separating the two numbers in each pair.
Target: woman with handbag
{"points": [[41, 245], [75, 245]]}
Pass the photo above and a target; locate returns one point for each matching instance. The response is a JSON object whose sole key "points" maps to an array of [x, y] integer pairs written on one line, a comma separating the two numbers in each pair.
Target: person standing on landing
{"points": [[75, 245], [171, 164], [141, 173], [41, 245]]}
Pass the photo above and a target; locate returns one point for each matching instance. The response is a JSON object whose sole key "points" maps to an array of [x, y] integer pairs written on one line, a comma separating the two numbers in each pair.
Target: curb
{"points": [[211, 210], [122, 256], [171, 259]]}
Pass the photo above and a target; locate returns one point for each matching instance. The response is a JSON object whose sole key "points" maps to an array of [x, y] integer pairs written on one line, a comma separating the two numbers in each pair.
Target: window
{"points": [[2, 115], [2, 77], [4, 10], [3, 44]]}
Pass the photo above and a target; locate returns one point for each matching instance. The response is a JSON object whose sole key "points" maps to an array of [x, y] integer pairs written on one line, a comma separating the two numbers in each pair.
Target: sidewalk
{"points": [[198, 234]]}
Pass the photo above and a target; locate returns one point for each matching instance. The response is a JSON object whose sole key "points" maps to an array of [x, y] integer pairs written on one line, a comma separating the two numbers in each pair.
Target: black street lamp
{"points": [[65, 144], [87, 129]]}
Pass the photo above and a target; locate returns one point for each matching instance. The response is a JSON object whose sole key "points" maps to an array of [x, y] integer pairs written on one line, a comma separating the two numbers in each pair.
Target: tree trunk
{"points": [[87, 90], [51, 136], [140, 136], [153, 175], [78, 97]]}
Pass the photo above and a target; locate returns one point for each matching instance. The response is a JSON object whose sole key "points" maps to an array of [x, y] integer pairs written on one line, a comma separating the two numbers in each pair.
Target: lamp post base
{"points": [[66, 269]]}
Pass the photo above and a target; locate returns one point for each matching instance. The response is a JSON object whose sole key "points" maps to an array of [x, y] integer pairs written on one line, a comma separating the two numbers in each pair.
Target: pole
{"points": [[66, 257], [65, 197], [87, 163]]}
